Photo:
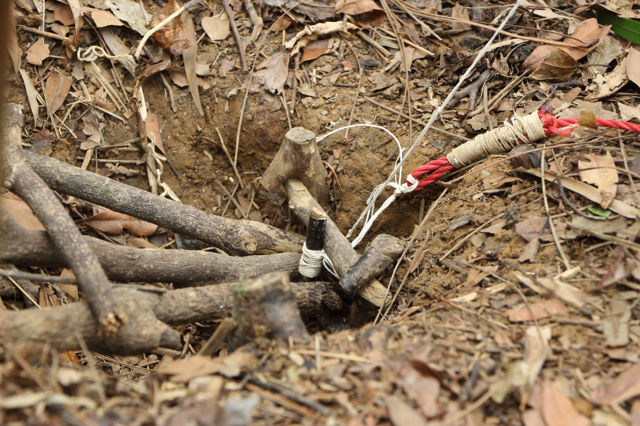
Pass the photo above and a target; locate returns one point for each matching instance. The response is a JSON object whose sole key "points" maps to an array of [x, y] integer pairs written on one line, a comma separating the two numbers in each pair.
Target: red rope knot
{"points": [[431, 172]]}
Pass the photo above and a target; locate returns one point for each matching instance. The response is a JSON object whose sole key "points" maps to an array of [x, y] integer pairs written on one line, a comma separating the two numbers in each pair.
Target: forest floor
{"points": [[494, 318]]}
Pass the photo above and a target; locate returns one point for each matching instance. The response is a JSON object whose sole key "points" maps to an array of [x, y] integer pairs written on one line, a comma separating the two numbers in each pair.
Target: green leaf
{"points": [[239, 290], [598, 211], [628, 29]]}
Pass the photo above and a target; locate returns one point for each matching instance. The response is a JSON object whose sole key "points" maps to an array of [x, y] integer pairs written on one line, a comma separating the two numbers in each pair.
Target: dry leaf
{"points": [[529, 251], [315, 49], [536, 311], [600, 170], [607, 84], [633, 65], [615, 326], [38, 52], [623, 387], [531, 228], [32, 94], [130, 12], [216, 27], [13, 46], [460, 12], [423, 390], [62, 13], [557, 408], [190, 61], [557, 65], [56, 88], [20, 211], [282, 23], [104, 18], [566, 292], [272, 73], [402, 414], [588, 32], [76, 10], [152, 131], [313, 32], [364, 12], [115, 223], [172, 36]]}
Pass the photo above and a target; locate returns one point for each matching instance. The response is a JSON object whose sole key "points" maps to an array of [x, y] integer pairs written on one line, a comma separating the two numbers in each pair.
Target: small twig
{"points": [[45, 33], [255, 19], [422, 123], [471, 90], [227, 154], [236, 35], [373, 43], [567, 265], [37, 277], [241, 118], [164, 22], [402, 256]]}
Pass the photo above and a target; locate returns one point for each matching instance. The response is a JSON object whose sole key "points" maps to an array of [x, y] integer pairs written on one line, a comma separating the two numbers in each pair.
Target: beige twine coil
{"points": [[526, 129]]}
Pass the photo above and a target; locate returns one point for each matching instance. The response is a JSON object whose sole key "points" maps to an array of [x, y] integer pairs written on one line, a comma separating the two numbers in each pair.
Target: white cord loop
{"points": [[310, 262], [370, 214]]}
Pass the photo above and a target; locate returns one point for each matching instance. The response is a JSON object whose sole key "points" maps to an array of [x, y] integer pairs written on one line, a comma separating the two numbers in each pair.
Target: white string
{"points": [[310, 263], [369, 214], [394, 180]]}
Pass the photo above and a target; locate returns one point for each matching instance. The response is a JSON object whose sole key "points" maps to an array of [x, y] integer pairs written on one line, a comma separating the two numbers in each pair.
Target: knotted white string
{"points": [[370, 214]]}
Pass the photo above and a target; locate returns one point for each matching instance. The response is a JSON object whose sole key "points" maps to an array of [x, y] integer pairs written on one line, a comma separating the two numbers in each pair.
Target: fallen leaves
{"points": [[38, 52], [559, 63], [272, 73], [600, 170], [620, 389], [115, 223], [216, 27], [20, 211], [56, 88]]}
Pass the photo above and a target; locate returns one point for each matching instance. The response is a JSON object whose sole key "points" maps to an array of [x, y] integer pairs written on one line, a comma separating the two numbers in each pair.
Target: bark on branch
{"points": [[151, 315], [27, 247], [22, 180], [235, 236]]}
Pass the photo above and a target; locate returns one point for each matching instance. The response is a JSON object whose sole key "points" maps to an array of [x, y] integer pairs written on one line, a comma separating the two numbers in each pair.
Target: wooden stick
{"points": [[235, 236], [28, 247], [265, 307], [298, 157], [336, 245], [236, 35], [63, 232], [151, 316], [379, 255]]}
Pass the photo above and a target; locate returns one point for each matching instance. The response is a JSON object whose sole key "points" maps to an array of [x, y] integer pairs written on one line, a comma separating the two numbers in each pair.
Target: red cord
{"points": [[434, 170]]}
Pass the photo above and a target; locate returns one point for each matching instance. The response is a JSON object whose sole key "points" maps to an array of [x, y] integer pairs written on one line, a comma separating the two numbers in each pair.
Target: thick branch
{"points": [[236, 236], [29, 247], [150, 316], [63, 232]]}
